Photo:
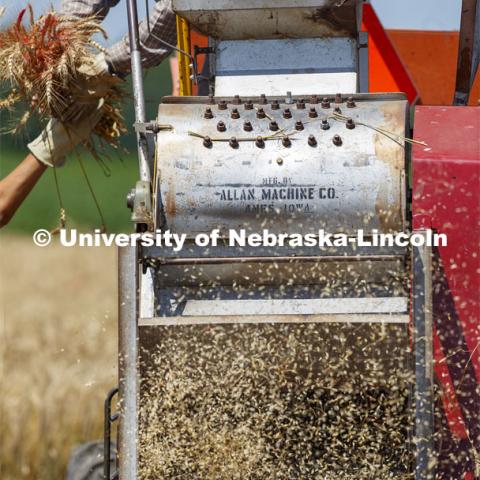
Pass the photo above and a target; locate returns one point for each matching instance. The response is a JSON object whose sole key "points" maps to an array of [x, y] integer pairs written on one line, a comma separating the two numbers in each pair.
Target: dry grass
{"points": [[58, 309]]}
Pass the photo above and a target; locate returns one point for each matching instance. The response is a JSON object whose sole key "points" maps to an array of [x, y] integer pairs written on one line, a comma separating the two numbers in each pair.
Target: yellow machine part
{"points": [[183, 35]]}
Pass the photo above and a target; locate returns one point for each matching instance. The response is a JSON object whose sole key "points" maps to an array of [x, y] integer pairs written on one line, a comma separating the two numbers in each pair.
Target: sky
{"points": [[398, 14]]}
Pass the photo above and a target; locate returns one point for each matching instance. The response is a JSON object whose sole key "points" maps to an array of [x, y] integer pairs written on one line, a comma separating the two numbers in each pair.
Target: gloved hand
{"points": [[58, 139]]}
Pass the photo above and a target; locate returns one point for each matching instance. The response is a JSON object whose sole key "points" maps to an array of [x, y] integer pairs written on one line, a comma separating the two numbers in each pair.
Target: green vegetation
{"points": [[41, 209]]}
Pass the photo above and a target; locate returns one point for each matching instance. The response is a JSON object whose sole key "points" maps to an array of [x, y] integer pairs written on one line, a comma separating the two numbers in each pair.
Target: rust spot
{"points": [[170, 204], [340, 19]]}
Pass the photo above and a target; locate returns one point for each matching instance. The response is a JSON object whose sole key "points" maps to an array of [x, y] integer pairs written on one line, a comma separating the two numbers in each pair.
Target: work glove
{"points": [[59, 138], [94, 79]]}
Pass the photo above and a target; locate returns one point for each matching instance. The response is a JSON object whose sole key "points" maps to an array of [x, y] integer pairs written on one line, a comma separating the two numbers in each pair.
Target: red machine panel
{"points": [[446, 197]]}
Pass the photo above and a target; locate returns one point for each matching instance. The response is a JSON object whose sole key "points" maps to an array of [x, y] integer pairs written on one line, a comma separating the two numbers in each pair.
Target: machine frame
{"points": [[133, 279]]}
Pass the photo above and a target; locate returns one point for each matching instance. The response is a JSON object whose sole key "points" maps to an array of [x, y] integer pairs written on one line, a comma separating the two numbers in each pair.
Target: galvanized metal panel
{"points": [[230, 19], [300, 55], [296, 306], [373, 319], [299, 188], [274, 67], [279, 84]]}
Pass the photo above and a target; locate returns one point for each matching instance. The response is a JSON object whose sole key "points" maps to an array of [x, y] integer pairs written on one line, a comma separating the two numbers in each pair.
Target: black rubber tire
{"points": [[86, 462]]}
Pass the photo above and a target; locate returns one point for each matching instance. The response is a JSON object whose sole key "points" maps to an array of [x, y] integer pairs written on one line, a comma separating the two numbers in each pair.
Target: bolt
{"points": [[337, 110], [301, 104], [248, 105], [337, 140], [131, 199], [350, 124], [221, 126], [273, 126], [211, 100], [298, 125], [287, 113], [312, 141], [237, 100], [207, 142], [286, 142], [275, 105], [280, 160], [247, 126], [313, 113], [233, 142], [325, 124], [325, 102], [260, 113], [314, 99], [338, 98], [235, 114], [351, 102], [222, 105], [260, 143], [263, 99], [208, 113]]}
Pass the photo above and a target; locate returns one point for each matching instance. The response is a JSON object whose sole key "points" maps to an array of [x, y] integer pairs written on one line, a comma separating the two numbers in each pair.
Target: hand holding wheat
{"points": [[51, 66]]}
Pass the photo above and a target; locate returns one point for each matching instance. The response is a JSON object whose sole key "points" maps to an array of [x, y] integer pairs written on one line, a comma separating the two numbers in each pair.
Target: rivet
{"points": [[338, 98], [248, 105], [312, 141], [314, 99], [301, 104], [208, 113], [207, 142], [247, 126], [337, 140], [275, 105], [325, 103], [235, 114], [286, 142], [351, 102], [280, 160], [325, 125], [260, 143], [237, 100], [221, 126], [298, 125], [233, 142], [260, 113], [313, 113], [222, 105], [350, 124], [263, 99], [274, 125], [287, 113]]}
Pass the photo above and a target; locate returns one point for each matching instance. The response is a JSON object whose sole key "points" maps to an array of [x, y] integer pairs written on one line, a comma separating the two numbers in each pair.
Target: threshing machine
{"points": [[252, 346]]}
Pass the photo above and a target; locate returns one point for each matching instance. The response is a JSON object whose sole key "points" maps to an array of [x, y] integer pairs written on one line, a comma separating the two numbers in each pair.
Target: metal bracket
{"points": [[139, 200], [109, 419], [150, 127]]}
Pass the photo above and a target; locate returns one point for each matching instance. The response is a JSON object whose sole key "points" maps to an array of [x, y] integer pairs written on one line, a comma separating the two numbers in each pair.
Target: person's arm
{"points": [[16, 186], [49, 149], [86, 8], [163, 26]]}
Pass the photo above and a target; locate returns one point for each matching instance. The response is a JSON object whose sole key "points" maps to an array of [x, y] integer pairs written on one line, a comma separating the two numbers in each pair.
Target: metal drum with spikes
{"points": [[289, 165]]}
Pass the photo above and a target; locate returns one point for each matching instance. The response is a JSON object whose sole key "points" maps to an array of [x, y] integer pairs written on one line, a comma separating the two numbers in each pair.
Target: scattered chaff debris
{"points": [[274, 402]]}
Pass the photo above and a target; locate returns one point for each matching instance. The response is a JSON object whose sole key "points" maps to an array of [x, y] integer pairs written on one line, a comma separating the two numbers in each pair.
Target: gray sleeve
{"points": [[86, 8], [162, 27]]}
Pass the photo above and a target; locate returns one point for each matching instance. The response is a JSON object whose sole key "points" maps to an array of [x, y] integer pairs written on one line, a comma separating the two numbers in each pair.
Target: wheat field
{"points": [[58, 353]]}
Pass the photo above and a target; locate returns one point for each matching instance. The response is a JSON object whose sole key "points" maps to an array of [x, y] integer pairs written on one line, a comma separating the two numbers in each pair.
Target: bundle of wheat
{"points": [[46, 65]]}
